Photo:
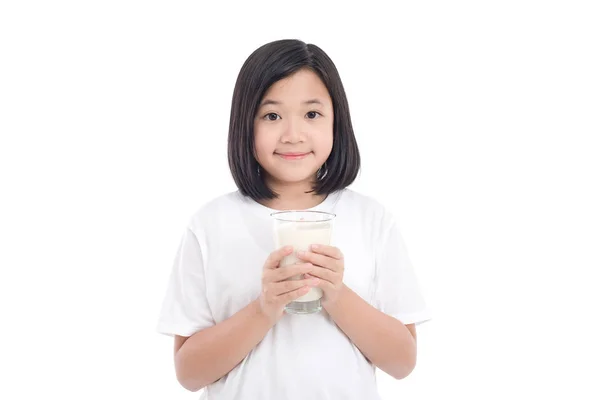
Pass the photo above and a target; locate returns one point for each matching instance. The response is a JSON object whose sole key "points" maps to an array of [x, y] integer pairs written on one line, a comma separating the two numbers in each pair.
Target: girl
{"points": [[291, 146]]}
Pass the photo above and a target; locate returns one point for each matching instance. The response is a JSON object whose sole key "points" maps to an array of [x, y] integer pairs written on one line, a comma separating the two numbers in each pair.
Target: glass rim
{"points": [[277, 215]]}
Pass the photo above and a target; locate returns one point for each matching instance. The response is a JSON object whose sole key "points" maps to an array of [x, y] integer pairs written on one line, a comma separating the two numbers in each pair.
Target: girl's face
{"points": [[293, 129]]}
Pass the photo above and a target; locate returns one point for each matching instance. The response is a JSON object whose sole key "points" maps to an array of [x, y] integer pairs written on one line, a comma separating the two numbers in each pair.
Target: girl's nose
{"points": [[293, 132]]}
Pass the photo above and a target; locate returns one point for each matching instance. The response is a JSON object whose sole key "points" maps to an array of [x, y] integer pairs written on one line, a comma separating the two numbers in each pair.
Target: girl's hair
{"points": [[265, 66]]}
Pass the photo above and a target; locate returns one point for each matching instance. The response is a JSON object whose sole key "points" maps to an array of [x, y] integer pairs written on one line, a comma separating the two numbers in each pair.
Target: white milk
{"points": [[301, 235]]}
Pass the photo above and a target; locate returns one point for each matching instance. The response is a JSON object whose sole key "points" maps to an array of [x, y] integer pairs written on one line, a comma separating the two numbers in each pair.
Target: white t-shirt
{"points": [[217, 272]]}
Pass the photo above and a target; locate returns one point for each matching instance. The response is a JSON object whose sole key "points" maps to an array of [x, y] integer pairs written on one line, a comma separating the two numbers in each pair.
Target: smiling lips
{"points": [[292, 156]]}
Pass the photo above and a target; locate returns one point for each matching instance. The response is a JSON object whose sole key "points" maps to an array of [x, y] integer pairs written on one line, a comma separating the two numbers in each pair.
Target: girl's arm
{"points": [[210, 354], [384, 340]]}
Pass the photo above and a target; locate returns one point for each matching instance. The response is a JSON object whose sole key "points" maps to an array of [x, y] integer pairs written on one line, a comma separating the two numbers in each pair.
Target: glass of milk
{"points": [[300, 229]]}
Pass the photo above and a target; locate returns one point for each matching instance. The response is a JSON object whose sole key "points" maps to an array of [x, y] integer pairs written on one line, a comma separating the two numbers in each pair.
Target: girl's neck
{"points": [[293, 197]]}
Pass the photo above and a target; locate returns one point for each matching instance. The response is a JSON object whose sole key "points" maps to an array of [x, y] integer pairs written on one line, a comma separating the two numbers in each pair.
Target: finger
{"points": [[282, 274], [293, 295], [325, 285], [329, 251], [318, 259], [323, 274], [280, 288], [275, 257]]}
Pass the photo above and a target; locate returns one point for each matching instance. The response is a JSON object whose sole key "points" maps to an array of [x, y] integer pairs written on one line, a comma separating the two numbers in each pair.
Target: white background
{"points": [[478, 124]]}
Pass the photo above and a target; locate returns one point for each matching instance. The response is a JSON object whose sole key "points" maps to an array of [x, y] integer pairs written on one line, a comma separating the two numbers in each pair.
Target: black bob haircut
{"points": [[265, 66]]}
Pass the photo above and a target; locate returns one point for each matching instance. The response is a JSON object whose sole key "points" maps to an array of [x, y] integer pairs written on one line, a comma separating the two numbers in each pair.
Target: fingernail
{"points": [[314, 246]]}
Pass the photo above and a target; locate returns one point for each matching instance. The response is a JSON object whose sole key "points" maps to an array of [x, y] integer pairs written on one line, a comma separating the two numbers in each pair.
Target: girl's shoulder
{"points": [[366, 204], [216, 209], [358, 205], [359, 198]]}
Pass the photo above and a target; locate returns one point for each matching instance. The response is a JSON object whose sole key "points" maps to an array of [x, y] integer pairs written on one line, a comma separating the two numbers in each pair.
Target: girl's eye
{"points": [[272, 116], [312, 114]]}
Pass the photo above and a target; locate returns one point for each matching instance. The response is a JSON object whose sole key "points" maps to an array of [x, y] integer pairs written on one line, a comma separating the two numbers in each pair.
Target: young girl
{"points": [[291, 147]]}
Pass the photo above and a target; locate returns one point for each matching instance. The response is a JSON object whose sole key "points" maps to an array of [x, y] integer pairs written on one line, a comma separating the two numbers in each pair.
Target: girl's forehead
{"points": [[301, 80], [303, 87]]}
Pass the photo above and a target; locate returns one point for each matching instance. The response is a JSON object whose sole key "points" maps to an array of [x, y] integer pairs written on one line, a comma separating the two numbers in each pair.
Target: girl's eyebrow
{"points": [[267, 102]]}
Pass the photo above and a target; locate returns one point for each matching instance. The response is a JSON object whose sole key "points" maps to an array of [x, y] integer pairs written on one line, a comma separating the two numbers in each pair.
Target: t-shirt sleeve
{"points": [[185, 309], [397, 290]]}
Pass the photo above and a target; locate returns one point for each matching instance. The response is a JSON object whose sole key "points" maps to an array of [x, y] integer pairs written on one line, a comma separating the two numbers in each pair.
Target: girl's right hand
{"points": [[277, 291]]}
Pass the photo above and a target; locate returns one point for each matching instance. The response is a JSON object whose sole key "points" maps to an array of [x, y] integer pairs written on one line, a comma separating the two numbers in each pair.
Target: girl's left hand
{"points": [[331, 272]]}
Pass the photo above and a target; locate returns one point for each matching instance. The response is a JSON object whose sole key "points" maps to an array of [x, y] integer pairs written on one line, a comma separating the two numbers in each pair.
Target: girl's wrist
{"points": [[329, 303]]}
